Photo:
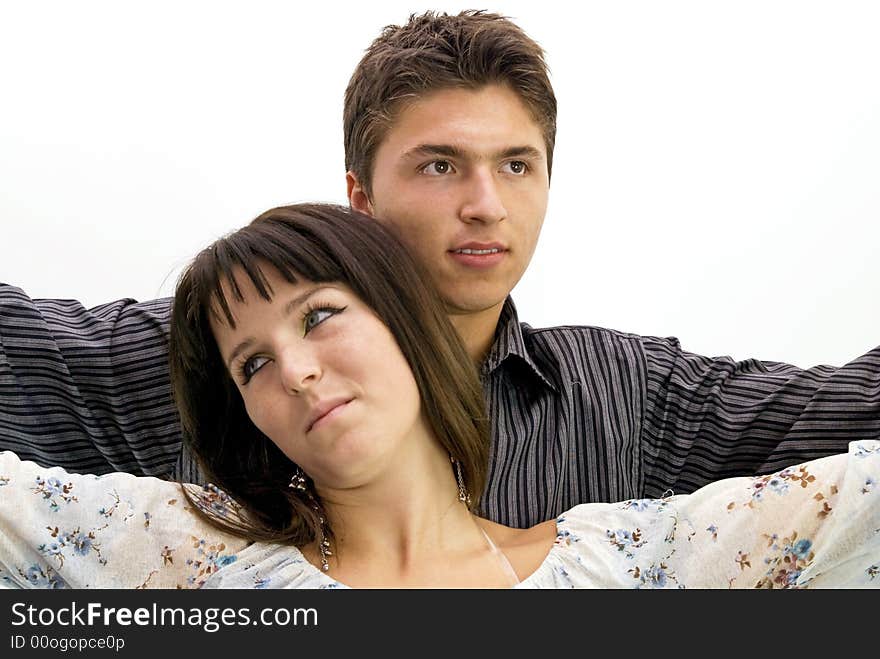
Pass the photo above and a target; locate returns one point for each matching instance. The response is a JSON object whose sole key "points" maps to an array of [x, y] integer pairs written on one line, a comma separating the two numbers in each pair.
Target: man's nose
{"points": [[483, 202]]}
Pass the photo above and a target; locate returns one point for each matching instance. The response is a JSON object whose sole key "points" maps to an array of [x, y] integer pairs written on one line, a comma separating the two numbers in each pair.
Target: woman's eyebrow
{"points": [[288, 309]]}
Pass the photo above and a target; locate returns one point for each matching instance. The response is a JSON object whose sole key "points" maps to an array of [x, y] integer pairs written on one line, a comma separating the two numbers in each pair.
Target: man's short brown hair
{"points": [[438, 51]]}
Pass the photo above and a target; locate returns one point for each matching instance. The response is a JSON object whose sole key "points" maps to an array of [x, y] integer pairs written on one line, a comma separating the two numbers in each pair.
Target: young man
{"points": [[449, 135]]}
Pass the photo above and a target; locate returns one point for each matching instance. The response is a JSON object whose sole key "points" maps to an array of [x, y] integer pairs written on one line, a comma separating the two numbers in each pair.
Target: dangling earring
{"points": [[298, 483], [463, 495]]}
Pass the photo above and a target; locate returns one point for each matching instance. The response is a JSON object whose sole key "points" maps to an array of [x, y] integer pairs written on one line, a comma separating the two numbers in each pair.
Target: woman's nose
{"points": [[300, 369]]}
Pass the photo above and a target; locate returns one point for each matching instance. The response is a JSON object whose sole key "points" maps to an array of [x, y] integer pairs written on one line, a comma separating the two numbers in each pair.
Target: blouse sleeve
{"points": [[816, 524], [812, 525], [63, 530]]}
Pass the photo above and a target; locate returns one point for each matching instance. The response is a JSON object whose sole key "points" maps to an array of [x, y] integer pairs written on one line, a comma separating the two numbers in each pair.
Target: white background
{"points": [[717, 170]]}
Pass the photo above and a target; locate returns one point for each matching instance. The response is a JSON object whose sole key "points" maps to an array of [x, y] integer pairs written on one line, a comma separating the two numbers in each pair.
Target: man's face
{"points": [[461, 177]]}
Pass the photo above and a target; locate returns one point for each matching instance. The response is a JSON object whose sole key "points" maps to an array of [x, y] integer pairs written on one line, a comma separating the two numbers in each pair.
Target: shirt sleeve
{"points": [[711, 418], [88, 389], [63, 530]]}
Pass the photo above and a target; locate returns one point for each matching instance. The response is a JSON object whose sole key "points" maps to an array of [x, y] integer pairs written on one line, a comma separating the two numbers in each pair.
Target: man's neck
{"points": [[477, 330]]}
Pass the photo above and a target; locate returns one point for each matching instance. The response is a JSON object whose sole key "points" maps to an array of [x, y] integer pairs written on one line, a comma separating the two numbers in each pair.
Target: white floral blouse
{"points": [[812, 525]]}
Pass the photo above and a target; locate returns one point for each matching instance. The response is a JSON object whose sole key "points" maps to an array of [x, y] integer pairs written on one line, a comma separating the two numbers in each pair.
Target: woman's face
{"points": [[320, 375]]}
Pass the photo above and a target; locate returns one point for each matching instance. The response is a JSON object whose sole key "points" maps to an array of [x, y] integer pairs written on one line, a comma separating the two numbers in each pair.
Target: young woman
{"points": [[325, 393]]}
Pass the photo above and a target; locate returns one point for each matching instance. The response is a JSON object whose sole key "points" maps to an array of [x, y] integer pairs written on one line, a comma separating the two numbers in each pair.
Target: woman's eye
{"points": [[317, 316], [517, 167], [437, 168], [251, 366]]}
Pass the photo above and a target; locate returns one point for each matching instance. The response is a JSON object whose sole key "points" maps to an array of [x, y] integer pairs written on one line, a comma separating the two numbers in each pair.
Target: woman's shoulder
{"points": [[102, 531], [525, 549], [265, 566]]}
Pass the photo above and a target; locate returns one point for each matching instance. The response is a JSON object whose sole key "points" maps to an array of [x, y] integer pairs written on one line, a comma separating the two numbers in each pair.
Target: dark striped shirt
{"points": [[579, 413]]}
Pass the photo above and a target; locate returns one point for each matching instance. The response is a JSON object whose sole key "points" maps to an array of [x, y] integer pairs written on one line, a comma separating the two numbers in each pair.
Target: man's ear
{"points": [[357, 196]]}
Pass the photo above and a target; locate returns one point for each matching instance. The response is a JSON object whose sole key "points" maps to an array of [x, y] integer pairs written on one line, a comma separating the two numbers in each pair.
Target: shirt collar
{"points": [[510, 343]]}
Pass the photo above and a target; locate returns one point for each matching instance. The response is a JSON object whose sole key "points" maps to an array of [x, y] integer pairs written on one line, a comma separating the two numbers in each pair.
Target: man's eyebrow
{"points": [[445, 150], [529, 152], [452, 151], [288, 309]]}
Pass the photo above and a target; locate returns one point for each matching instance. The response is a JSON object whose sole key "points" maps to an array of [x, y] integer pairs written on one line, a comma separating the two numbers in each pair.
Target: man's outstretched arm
{"points": [[712, 418], [87, 389]]}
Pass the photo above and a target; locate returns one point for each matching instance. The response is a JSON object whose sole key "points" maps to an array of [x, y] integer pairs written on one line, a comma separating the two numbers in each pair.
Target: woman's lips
{"points": [[327, 413]]}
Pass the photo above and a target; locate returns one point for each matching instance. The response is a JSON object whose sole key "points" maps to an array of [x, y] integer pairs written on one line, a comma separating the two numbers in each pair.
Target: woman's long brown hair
{"points": [[318, 243]]}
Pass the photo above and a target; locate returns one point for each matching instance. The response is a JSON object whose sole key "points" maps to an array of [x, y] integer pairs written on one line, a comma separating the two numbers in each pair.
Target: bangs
{"points": [[223, 280], [295, 255]]}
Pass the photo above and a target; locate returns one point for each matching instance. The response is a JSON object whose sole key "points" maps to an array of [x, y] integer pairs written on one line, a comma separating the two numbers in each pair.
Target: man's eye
{"points": [[315, 317], [437, 168], [516, 167]]}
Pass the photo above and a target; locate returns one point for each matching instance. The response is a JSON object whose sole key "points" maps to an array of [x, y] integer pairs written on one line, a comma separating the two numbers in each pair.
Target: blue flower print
{"points": [[625, 540], [566, 537], [639, 505], [656, 576], [778, 485], [35, 576], [212, 498], [53, 485], [82, 544], [863, 451], [51, 488], [801, 548]]}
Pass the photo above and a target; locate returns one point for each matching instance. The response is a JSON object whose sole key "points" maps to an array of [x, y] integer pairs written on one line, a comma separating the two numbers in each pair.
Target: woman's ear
{"points": [[357, 196]]}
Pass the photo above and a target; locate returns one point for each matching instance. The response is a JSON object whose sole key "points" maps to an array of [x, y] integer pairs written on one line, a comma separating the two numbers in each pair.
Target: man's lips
{"points": [[323, 410], [481, 248], [478, 255]]}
